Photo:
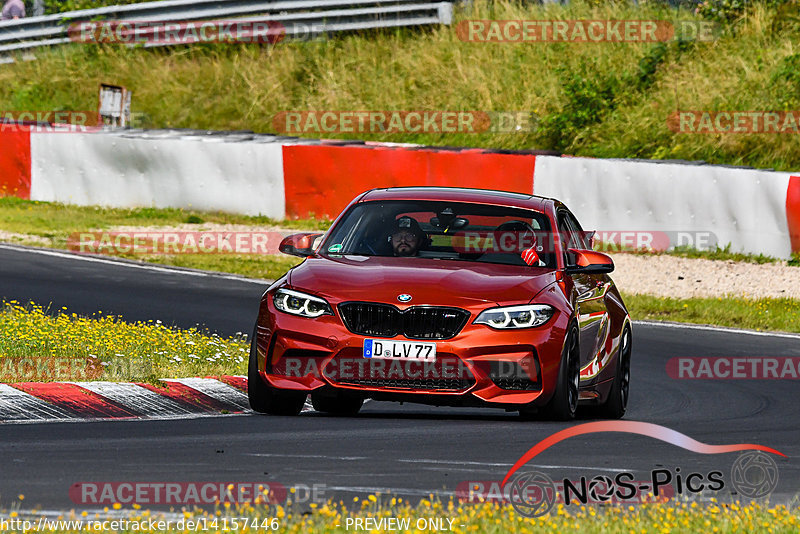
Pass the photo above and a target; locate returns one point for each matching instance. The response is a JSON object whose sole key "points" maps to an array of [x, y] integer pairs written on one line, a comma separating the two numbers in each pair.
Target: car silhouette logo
{"points": [[405, 297]]}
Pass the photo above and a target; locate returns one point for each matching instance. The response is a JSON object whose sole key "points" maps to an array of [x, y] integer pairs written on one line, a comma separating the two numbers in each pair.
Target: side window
{"points": [[581, 238], [565, 235]]}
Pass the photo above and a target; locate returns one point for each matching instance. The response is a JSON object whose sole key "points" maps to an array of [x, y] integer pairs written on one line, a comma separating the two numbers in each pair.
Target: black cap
{"points": [[408, 224]]}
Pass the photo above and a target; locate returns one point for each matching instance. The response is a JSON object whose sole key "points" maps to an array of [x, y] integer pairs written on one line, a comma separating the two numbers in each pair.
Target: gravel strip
{"points": [[16, 239], [672, 276]]}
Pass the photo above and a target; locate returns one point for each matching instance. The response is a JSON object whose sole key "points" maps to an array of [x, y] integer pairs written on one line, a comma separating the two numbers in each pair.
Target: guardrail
{"points": [[296, 16]]}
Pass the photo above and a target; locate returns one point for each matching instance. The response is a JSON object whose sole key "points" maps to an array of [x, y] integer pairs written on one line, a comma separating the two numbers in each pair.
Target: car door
{"points": [[590, 297]]}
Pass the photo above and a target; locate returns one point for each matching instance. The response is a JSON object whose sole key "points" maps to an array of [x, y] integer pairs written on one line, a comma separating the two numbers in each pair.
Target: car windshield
{"points": [[445, 231]]}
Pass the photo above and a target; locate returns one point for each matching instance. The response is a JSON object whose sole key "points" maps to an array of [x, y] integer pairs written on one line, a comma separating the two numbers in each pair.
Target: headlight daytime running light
{"points": [[513, 317], [302, 304]]}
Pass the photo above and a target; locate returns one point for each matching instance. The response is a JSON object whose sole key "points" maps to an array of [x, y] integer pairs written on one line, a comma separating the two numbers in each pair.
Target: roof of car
{"points": [[458, 194]]}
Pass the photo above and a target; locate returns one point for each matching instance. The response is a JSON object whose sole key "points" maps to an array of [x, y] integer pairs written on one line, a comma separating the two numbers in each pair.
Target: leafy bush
{"points": [[730, 10], [785, 81], [589, 96]]}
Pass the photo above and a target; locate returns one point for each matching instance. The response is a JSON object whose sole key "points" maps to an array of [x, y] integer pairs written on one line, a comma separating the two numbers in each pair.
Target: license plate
{"points": [[400, 350]]}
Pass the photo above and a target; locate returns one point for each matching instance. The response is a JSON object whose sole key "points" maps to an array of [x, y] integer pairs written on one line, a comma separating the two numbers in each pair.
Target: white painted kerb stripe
{"points": [[217, 390], [16, 405], [136, 398]]}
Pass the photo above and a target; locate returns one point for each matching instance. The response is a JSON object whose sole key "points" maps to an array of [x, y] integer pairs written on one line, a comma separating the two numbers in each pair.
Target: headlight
{"points": [[302, 304], [526, 316]]}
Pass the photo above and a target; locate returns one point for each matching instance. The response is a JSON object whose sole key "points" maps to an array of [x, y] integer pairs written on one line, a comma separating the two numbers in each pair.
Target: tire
{"points": [[337, 404], [564, 404], [614, 407], [265, 398]]}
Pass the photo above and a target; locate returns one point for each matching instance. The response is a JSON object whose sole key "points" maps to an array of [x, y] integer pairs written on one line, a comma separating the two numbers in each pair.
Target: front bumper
{"points": [[479, 366]]}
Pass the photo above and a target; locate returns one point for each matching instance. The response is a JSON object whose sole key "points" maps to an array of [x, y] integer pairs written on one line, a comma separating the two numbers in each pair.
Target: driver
{"points": [[406, 237]]}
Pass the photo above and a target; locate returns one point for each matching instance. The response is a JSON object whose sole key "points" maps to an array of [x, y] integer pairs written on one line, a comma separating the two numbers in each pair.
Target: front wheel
{"points": [[265, 398], [564, 404], [617, 402]]}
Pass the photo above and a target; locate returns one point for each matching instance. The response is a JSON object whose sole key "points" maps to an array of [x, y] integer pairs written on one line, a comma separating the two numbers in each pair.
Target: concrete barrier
{"points": [[744, 207], [197, 173], [322, 180], [755, 211]]}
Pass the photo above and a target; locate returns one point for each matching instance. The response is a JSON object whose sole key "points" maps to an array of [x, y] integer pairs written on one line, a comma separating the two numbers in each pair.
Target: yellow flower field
{"points": [[39, 346], [452, 516]]}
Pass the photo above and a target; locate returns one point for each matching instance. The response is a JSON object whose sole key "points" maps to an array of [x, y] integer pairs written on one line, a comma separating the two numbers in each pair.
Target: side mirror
{"points": [[299, 244], [589, 262]]}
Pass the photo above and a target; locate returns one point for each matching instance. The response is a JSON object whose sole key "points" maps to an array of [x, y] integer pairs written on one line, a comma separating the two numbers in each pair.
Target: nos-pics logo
{"points": [[754, 475]]}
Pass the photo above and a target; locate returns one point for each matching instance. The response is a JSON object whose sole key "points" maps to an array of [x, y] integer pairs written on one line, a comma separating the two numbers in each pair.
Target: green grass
{"points": [[599, 99], [57, 221], [761, 314], [267, 267]]}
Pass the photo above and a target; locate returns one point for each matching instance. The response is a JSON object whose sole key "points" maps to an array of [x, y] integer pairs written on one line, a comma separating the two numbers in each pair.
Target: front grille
{"points": [[421, 322], [416, 322], [370, 319]]}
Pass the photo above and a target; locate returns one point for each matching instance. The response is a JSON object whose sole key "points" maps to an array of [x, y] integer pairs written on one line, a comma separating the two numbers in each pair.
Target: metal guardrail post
{"points": [[446, 13]]}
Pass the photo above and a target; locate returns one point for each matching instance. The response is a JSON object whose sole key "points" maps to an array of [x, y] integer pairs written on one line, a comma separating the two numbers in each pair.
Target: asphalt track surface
{"points": [[410, 450]]}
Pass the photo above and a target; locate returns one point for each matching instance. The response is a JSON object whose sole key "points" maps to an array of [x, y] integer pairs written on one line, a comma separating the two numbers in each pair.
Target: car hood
{"points": [[428, 281]]}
